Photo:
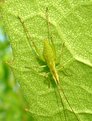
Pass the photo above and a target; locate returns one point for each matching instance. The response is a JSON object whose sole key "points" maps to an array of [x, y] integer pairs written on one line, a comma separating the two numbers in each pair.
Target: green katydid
{"points": [[49, 56]]}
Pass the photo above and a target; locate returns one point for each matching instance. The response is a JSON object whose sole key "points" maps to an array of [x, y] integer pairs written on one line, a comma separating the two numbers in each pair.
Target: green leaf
{"points": [[70, 22]]}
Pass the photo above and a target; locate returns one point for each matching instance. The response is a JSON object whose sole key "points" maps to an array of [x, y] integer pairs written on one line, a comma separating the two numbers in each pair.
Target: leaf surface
{"points": [[70, 22]]}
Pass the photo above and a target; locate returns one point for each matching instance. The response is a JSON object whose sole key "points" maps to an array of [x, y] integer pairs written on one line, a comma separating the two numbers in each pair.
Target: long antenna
{"points": [[62, 104], [59, 87]]}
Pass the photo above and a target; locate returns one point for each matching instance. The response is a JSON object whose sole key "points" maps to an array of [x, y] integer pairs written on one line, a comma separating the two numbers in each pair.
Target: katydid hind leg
{"points": [[29, 39], [50, 38], [47, 21]]}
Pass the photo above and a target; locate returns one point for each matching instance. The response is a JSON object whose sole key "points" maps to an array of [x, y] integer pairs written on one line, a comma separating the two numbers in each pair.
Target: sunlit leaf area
{"points": [[46, 60]]}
